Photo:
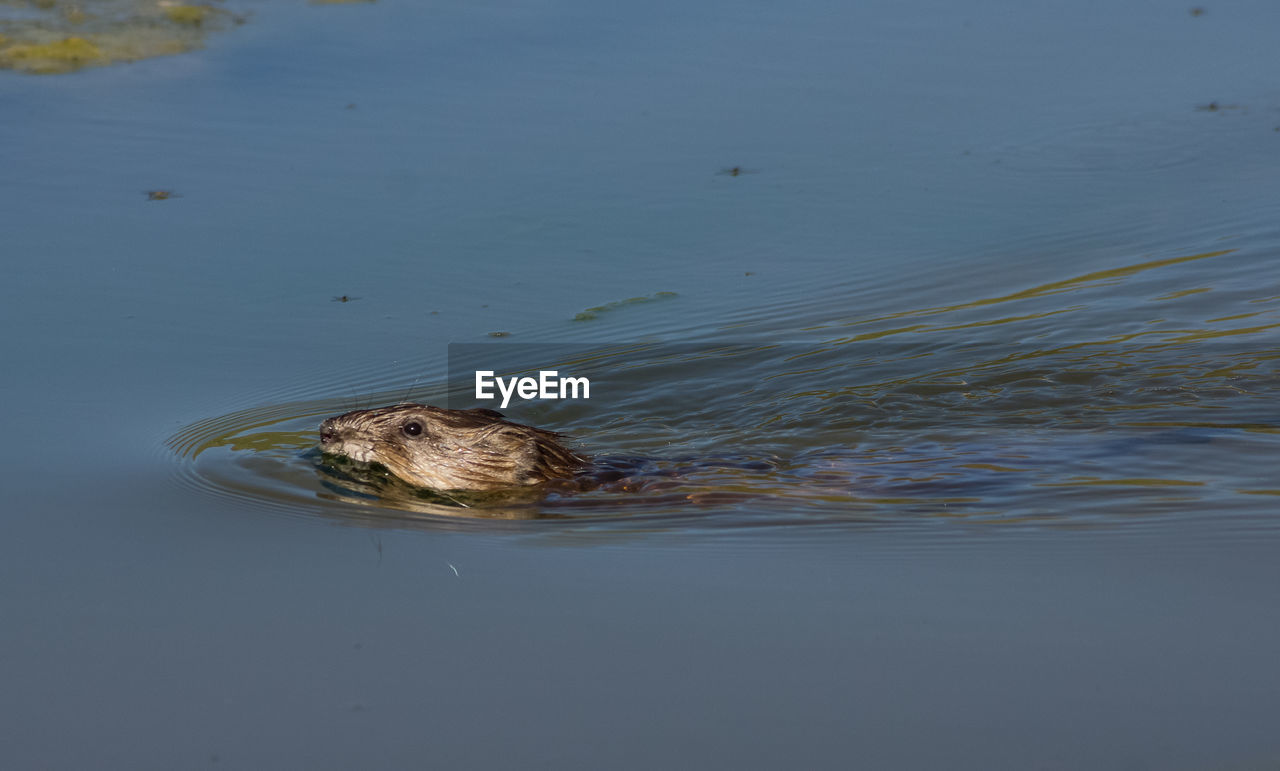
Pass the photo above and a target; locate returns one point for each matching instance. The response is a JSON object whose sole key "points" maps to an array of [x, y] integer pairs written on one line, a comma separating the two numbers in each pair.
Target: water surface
{"points": [[984, 333]]}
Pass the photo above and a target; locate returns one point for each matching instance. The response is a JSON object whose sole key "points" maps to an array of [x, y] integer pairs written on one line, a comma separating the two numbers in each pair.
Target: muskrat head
{"points": [[443, 449]]}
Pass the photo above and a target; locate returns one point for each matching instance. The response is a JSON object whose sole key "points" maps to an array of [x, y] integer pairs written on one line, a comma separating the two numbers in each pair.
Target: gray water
{"points": [[969, 375]]}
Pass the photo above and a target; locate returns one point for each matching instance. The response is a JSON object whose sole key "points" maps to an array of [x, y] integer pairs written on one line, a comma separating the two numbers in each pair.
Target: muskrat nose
{"points": [[328, 434]]}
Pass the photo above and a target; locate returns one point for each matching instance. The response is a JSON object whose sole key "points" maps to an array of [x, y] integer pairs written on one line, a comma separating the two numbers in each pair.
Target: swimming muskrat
{"points": [[440, 449]]}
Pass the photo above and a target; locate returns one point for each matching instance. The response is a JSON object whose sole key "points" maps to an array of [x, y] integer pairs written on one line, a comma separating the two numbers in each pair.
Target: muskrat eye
{"points": [[412, 429]]}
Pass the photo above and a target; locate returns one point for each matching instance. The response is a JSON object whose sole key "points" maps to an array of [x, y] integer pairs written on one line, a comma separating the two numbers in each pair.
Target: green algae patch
{"points": [[44, 37], [194, 15], [58, 56], [591, 313]]}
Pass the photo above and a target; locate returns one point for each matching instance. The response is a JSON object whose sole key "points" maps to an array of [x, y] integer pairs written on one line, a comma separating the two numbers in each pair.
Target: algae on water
{"points": [[70, 53], [189, 14], [591, 313], [58, 36]]}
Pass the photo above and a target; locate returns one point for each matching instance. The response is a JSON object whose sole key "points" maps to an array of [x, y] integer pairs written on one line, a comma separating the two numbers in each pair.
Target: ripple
{"points": [[266, 458], [1115, 398], [1128, 148]]}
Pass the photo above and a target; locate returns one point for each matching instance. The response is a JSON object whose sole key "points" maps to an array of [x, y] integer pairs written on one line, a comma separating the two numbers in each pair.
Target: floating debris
{"points": [[1216, 107], [160, 195]]}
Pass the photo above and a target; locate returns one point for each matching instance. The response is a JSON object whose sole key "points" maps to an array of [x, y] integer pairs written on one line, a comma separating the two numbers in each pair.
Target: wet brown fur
{"points": [[474, 449]]}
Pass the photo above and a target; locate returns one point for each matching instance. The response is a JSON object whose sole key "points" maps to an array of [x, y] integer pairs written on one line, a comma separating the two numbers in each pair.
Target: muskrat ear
{"points": [[486, 413]]}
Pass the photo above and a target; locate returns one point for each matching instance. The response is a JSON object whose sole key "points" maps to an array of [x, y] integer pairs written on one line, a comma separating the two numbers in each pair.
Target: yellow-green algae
{"points": [[189, 14], [591, 313], [64, 55], [58, 36]]}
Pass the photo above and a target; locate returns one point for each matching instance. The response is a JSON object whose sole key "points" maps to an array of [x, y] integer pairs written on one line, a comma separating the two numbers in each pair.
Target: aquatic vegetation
{"points": [[58, 56], [591, 313], [56, 36], [189, 14]]}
